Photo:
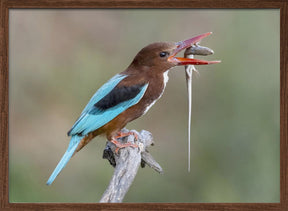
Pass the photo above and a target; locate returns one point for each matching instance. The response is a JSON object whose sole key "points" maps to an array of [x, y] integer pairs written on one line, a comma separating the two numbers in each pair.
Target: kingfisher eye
{"points": [[163, 54]]}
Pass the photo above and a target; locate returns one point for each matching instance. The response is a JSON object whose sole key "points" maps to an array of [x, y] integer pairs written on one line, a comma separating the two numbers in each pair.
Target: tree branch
{"points": [[126, 164]]}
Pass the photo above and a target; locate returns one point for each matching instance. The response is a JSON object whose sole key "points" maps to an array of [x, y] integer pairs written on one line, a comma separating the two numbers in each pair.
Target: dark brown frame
{"points": [[4, 102]]}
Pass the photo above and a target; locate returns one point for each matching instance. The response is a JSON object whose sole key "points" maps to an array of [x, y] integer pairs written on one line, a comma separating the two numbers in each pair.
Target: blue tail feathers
{"points": [[74, 142]]}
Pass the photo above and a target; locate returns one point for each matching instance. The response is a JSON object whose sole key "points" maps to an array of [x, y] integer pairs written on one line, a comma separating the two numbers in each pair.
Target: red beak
{"points": [[185, 44]]}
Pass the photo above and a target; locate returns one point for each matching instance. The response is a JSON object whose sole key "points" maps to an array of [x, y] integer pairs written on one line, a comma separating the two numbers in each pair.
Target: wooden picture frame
{"points": [[282, 5]]}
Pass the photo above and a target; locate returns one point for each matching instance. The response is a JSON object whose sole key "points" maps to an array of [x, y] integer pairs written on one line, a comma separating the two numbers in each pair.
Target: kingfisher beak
{"points": [[185, 44]]}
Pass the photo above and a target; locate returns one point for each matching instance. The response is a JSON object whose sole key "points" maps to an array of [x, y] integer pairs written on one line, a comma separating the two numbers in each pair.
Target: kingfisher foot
{"points": [[121, 135], [120, 145]]}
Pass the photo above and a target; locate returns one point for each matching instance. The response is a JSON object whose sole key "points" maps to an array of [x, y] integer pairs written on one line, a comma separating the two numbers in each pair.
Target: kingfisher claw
{"points": [[121, 135], [120, 145]]}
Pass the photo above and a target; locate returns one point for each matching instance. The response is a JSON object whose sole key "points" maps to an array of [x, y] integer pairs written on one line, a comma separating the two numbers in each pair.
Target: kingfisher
{"points": [[127, 96]]}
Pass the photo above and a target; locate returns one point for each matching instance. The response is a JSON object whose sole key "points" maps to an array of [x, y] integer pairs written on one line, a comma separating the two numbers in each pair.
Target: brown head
{"points": [[160, 56]]}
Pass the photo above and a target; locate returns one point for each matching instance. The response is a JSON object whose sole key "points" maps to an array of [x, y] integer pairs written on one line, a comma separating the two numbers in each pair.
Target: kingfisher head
{"points": [[161, 56]]}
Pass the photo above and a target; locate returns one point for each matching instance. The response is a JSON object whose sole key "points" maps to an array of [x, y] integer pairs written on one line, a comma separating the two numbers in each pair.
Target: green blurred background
{"points": [[59, 58]]}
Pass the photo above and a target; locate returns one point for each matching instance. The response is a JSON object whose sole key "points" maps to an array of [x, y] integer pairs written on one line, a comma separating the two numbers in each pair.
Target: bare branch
{"points": [[127, 163]]}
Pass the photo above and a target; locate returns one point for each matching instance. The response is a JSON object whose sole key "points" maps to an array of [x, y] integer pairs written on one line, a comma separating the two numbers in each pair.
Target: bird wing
{"points": [[103, 90], [107, 103]]}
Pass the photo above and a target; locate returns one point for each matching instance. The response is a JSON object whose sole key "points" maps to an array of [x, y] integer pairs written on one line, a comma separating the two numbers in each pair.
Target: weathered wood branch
{"points": [[127, 163]]}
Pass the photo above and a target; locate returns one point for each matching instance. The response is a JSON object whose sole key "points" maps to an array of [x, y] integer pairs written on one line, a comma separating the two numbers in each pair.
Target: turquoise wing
{"points": [[102, 108], [103, 91]]}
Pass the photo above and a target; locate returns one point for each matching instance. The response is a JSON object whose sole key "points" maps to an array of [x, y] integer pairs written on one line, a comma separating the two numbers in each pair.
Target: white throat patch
{"points": [[165, 79]]}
